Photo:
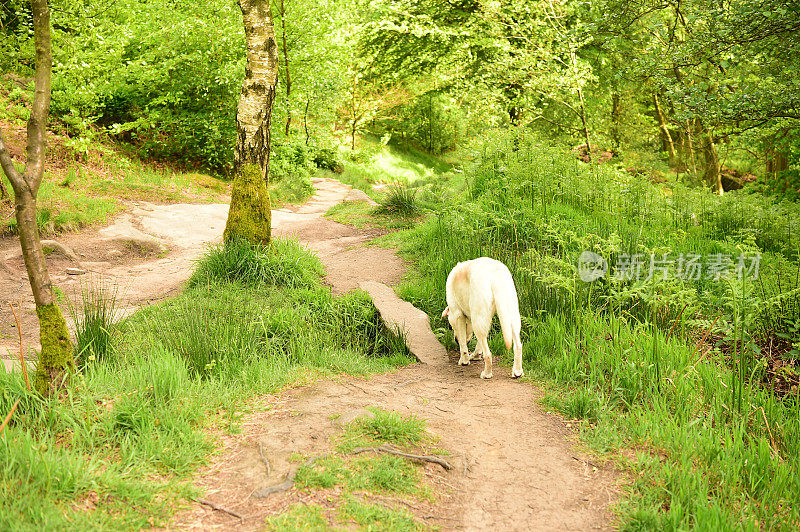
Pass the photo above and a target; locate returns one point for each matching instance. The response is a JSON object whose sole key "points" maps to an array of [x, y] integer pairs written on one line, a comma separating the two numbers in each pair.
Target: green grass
{"points": [[300, 517], [364, 216], [386, 426], [347, 480], [375, 163], [282, 263], [93, 318], [399, 200], [711, 446], [118, 452]]}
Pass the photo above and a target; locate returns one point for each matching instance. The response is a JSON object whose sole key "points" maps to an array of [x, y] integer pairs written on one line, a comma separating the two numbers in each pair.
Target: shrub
{"points": [[326, 159]]}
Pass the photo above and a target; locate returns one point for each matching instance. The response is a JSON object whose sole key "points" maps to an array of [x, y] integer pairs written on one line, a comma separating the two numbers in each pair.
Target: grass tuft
{"points": [[94, 318], [281, 263], [400, 201]]}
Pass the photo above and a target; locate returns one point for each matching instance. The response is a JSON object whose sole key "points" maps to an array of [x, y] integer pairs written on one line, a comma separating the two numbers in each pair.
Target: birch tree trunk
{"points": [[56, 358], [286, 68], [249, 215]]}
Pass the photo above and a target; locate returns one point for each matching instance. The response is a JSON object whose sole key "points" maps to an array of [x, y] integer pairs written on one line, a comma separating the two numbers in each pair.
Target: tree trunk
{"points": [[776, 162], [776, 159], [616, 117], [585, 124], [305, 121], [711, 174], [286, 68], [249, 215], [666, 136], [56, 359], [690, 147]]}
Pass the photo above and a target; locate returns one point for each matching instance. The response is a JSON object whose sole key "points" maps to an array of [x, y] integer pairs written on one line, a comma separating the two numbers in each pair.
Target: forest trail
{"points": [[517, 467]]}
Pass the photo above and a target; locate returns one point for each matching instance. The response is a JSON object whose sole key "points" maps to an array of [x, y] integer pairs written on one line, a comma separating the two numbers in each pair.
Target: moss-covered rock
{"points": [[249, 217], [56, 358]]}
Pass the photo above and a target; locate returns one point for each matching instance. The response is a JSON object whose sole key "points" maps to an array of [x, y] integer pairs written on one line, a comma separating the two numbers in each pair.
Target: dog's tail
{"points": [[508, 314]]}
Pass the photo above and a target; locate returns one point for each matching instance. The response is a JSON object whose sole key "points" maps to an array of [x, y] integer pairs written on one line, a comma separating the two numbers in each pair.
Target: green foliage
{"points": [[399, 200], [376, 517], [300, 517], [118, 450], [386, 426], [327, 159], [620, 355], [432, 121]]}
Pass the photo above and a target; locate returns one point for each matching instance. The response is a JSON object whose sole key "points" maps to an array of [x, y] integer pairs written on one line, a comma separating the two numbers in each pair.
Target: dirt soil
{"points": [[518, 467]]}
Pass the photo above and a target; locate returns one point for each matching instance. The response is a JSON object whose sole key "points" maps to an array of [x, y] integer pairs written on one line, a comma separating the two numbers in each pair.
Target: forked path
{"points": [[517, 467]]}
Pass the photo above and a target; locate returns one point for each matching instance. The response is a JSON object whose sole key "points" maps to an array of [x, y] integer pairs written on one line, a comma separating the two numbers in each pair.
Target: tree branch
{"points": [[14, 176], [557, 124]]}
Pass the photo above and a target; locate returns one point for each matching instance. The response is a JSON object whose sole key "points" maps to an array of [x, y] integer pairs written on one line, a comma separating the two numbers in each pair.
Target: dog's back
{"points": [[476, 289], [481, 287]]}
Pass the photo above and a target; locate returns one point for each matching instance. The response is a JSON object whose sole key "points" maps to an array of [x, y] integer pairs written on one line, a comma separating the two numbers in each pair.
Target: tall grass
{"points": [[282, 263], [117, 452], [93, 318], [710, 447]]}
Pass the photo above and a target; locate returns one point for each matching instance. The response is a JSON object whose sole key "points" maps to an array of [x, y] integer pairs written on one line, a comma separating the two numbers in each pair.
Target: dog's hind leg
{"points": [[483, 345], [477, 354], [463, 330], [516, 371]]}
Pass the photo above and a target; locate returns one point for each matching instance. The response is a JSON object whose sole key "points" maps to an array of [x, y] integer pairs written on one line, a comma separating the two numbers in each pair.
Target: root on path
{"points": [[418, 457]]}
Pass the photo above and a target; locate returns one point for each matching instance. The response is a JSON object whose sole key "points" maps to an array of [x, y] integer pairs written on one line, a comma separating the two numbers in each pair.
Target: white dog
{"points": [[476, 289]]}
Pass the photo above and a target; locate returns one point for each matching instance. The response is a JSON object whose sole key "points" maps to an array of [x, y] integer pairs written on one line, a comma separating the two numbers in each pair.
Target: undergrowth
{"points": [[711, 446], [117, 452]]}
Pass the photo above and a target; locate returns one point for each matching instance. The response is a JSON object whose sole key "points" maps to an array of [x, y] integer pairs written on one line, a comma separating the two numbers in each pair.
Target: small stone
{"points": [[75, 271]]}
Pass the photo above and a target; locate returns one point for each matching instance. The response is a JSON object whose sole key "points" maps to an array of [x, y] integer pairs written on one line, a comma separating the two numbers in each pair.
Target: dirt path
{"points": [[146, 254], [518, 467]]}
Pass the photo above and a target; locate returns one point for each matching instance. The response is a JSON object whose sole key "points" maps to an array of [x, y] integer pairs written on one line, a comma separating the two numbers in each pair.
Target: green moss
{"points": [[56, 358], [249, 217]]}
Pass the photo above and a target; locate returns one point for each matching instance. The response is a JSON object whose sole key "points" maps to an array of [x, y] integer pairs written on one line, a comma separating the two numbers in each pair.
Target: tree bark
{"points": [[305, 121], [56, 358], [666, 136], [286, 68], [254, 113], [711, 173], [616, 117], [585, 125], [249, 216], [690, 146]]}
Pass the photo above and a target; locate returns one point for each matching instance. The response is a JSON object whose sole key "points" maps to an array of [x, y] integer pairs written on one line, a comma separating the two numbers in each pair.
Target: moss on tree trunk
{"points": [[55, 360], [249, 216]]}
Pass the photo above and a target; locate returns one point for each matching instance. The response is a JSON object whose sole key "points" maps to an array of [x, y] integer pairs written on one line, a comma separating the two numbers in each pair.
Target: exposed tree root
{"points": [[288, 481], [219, 508], [421, 458]]}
